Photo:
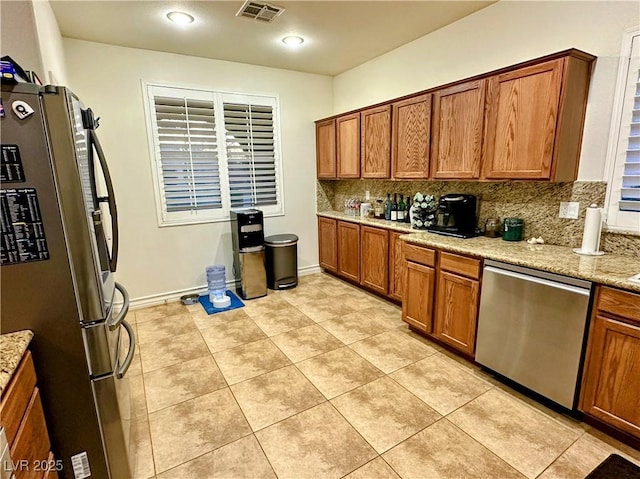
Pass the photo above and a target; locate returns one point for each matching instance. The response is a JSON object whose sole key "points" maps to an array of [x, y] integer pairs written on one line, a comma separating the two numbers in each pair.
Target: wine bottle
{"points": [[401, 209], [407, 214], [387, 207], [394, 208]]}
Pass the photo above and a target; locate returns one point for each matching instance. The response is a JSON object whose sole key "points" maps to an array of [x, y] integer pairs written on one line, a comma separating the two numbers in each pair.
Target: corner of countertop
{"points": [[12, 348]]}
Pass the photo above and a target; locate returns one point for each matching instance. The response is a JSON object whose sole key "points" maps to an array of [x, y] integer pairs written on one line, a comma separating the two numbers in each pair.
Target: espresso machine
{"points": [[247, 233], [457, 216]]}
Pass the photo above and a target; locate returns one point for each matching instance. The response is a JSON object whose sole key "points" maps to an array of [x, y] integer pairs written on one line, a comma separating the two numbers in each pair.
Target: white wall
{"points": [[161, 260], [50, 41], [502, 34], [18, 35]]}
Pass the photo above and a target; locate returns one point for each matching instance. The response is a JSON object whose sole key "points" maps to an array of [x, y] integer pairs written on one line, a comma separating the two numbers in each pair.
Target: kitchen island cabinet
{"points": [[611, 378]]}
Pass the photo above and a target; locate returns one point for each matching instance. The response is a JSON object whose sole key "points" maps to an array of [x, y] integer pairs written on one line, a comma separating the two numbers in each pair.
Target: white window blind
{"points": [[251, 157], [214, 152], [630, 191], [186, 136], [623, 193]]}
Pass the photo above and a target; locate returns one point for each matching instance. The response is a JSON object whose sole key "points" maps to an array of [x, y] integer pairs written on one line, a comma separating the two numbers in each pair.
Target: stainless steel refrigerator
{"points": [[59, 253]]}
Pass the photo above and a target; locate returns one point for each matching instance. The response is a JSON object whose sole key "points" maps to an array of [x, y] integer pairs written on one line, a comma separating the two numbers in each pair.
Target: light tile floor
{"points": [[326, 381]]}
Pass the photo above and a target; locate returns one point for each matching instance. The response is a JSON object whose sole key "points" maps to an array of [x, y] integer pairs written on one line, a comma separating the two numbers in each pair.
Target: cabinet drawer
{"points": [[463, 265], [419, 255], [16, 397], [620, 303], [32, 441]]}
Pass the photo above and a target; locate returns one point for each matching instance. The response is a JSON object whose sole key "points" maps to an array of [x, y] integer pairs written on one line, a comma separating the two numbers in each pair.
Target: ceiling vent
{"points": [[262, 12]]}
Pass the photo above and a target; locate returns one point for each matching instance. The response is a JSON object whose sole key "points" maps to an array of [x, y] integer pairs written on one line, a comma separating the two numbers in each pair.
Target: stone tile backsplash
{"points": [[535, 202]]}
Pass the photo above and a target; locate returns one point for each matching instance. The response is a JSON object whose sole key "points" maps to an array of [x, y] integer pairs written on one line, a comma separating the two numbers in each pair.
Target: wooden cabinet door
{"points": [[375, 259], [349, 250], [417, 301], [326, 149], [456, 138], [522, 113], [457, 311], [396, 266], [32, 440], [348, 145], [375, 154], [328, 243], [611, 384], [410, 138]]}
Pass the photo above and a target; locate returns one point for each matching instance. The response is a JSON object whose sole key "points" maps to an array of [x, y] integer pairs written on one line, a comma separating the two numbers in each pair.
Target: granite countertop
{"points": [[12, 348], [610, 269]]}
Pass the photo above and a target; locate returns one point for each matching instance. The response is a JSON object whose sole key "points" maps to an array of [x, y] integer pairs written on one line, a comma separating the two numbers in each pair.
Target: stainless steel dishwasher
{"points": [[531, 328]]}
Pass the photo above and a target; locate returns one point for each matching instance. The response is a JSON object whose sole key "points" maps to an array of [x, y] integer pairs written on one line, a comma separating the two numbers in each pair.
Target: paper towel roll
{"points": [[592, 228]]}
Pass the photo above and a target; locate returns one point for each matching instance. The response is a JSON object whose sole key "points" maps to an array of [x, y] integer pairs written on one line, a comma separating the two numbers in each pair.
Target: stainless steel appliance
{"points": [[531, 328], [247, 233], [59, 252], [457, 216]]}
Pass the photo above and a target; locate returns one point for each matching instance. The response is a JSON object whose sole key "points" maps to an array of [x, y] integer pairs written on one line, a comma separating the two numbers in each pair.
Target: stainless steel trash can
{"points": [[281, 261]]}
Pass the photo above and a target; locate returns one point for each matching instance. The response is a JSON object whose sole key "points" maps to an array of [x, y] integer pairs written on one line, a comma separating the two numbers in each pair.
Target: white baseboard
{"points": [[172, 296]]}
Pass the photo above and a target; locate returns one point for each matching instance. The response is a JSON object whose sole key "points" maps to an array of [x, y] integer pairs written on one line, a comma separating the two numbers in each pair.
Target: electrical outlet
{"points": [[569, 209], [367, 196]]}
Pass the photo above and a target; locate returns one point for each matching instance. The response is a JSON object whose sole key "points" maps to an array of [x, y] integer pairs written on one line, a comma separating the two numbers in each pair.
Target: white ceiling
{"points": [[339, 34]]}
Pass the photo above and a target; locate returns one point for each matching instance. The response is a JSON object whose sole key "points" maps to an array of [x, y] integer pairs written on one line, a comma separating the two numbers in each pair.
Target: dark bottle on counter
{"points": [[387, 207], [394, 208], [401, 209], [407, 214]]}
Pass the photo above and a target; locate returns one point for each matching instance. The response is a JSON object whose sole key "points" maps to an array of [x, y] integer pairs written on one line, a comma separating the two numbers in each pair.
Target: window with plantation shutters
{"points": [[213, 152], [251, 160], [623, 192]]}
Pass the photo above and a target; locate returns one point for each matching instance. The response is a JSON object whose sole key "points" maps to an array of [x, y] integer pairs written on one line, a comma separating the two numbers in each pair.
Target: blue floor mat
{"points": [[208, 307]]}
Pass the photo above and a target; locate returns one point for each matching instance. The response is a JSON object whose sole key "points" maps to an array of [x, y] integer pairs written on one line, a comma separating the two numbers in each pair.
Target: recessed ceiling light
{"points": [[181, 18], [293, 41]]}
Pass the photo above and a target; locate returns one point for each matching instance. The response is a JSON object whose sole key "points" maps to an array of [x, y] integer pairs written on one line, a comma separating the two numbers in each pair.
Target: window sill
{"points": [[226, 219]]}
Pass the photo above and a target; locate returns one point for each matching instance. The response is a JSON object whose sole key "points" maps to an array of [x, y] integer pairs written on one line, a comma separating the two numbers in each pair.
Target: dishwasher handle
{"points": [[541, 281]]}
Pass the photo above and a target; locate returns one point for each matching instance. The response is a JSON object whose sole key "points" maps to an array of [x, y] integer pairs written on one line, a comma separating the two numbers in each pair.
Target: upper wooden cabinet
{"points": [[348, 145], [374, 267], [610, 384], [326, 149], [375, 156], [411, 138], [456, 140], [522, 122], [349, 250], [535, 116]]}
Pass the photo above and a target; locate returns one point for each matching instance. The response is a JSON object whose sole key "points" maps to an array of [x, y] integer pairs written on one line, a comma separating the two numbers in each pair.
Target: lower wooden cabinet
{"points": [[396, 265], [328, 243], [417, 303], [457, 311], [442, 293], [22, 416], [349, 250], [375, 259], [611, 377]]}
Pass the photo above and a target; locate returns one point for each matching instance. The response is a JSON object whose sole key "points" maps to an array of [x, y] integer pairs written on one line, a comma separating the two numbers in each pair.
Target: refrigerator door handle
{"points": [[132, 349], [113, 210], [114, 323]]}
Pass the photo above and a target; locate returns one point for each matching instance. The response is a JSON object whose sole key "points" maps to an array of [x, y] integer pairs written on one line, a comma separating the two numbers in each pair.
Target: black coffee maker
{"points": [[457, 216]]}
